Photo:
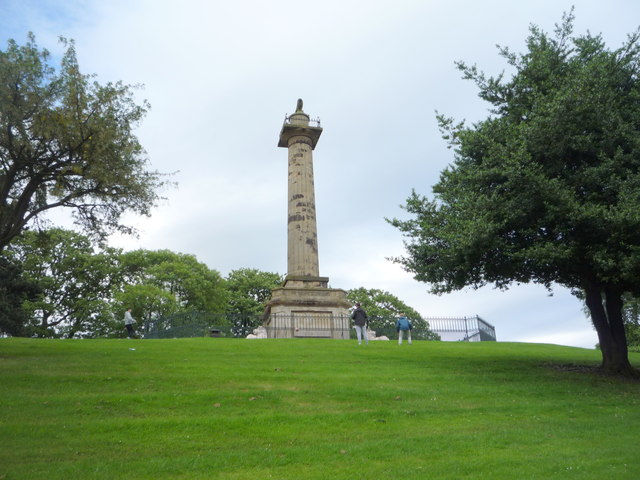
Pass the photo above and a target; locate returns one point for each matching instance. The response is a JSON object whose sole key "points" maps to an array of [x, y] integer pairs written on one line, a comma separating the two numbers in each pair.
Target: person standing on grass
{"points": [[403, 325], [128, 323], [360, 320]]}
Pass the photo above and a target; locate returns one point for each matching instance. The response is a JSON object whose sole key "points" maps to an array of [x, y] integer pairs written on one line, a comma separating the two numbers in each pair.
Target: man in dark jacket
{"points": [[360, 320]]}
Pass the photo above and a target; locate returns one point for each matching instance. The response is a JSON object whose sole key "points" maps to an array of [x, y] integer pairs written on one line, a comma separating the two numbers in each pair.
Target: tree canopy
{"points": [[56, 282], [74, 281], [547, 188], [161, 282], [631, 317], [67, 141], [250, 290], [15, 290]]}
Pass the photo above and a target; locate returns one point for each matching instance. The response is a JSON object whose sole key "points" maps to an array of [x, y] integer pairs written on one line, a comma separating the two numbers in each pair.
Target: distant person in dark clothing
{"points": [[360, 320], [128, 323]]}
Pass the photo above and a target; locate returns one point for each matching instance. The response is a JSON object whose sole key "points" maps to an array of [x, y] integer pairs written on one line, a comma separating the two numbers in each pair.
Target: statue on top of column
{"points": [[299, 106]]}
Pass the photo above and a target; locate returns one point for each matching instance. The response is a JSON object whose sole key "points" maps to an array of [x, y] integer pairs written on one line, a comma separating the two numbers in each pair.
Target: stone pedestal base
{"points": [[303, 309]]}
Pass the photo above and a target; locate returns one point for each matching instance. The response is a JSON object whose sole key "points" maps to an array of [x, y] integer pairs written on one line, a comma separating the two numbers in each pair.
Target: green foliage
{"points": [[67, 141], [631, 315], [15, 289], [383, 308], [308, 409], [159, 283], [250, 290], [147, 302], [546, 189], [86, 292], [75, 281]]}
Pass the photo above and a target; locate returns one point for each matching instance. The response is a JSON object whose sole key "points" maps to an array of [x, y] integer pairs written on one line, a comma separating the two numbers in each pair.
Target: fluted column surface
{"points": [[302, 229]]}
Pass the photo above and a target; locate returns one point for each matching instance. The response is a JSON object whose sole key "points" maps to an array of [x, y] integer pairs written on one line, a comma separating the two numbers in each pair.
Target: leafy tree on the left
{"points": [[161, 282], [84, 290], [67, 141], [74, 281], [14, 291]]}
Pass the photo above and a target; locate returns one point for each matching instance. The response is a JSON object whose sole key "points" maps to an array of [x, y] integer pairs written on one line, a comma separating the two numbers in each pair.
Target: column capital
{"points": [[289, 131]]}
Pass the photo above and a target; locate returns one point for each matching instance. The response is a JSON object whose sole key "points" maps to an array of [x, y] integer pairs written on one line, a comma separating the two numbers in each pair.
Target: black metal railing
{"points": [[313, 122], [199, 324], [470, 329], [307, 325]]}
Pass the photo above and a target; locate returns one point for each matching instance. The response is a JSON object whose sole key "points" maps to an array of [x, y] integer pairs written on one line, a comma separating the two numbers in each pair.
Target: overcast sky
{"points": [[220, 77]]}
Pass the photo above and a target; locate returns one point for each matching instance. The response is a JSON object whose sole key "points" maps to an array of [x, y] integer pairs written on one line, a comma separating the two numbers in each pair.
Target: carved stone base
{"points": [[296, 310]]}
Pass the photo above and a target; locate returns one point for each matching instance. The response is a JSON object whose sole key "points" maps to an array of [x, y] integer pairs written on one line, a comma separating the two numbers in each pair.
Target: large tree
{"points": [[15, 289], [158, 283], [250, 290], [547, 188], [67, 141], [85, 290], [74, 280]]}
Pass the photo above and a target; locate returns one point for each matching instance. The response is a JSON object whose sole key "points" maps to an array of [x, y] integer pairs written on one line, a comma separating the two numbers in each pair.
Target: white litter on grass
{"points": [[132, 349]]}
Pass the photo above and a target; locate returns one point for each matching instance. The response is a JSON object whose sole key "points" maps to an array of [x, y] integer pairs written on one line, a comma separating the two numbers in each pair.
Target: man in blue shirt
{"points": [[403, 325]]}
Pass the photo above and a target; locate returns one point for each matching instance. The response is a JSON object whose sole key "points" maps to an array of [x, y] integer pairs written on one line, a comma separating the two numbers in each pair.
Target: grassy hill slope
{"points": [[215, 408]]}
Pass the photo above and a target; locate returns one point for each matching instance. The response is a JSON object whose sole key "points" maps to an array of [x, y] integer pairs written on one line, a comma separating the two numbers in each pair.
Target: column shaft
{"points": [[302, 230]]}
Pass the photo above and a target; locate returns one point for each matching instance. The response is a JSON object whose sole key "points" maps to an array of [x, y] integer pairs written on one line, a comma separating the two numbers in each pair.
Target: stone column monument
{"points": [[304, 306]]}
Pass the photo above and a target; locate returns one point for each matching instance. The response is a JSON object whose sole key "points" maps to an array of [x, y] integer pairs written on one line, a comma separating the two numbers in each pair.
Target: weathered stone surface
{"points": [[302, 236]]}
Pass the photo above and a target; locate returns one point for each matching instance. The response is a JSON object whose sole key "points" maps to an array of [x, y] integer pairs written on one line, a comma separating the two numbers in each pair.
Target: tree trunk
{"points": [[607, 319]]}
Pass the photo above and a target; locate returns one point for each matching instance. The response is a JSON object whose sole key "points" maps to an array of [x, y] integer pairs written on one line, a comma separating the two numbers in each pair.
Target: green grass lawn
{"points": [[215, 408]]}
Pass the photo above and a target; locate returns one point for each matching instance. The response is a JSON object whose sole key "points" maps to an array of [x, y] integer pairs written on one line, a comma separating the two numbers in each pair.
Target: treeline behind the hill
{"points": [[58, 283]]}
